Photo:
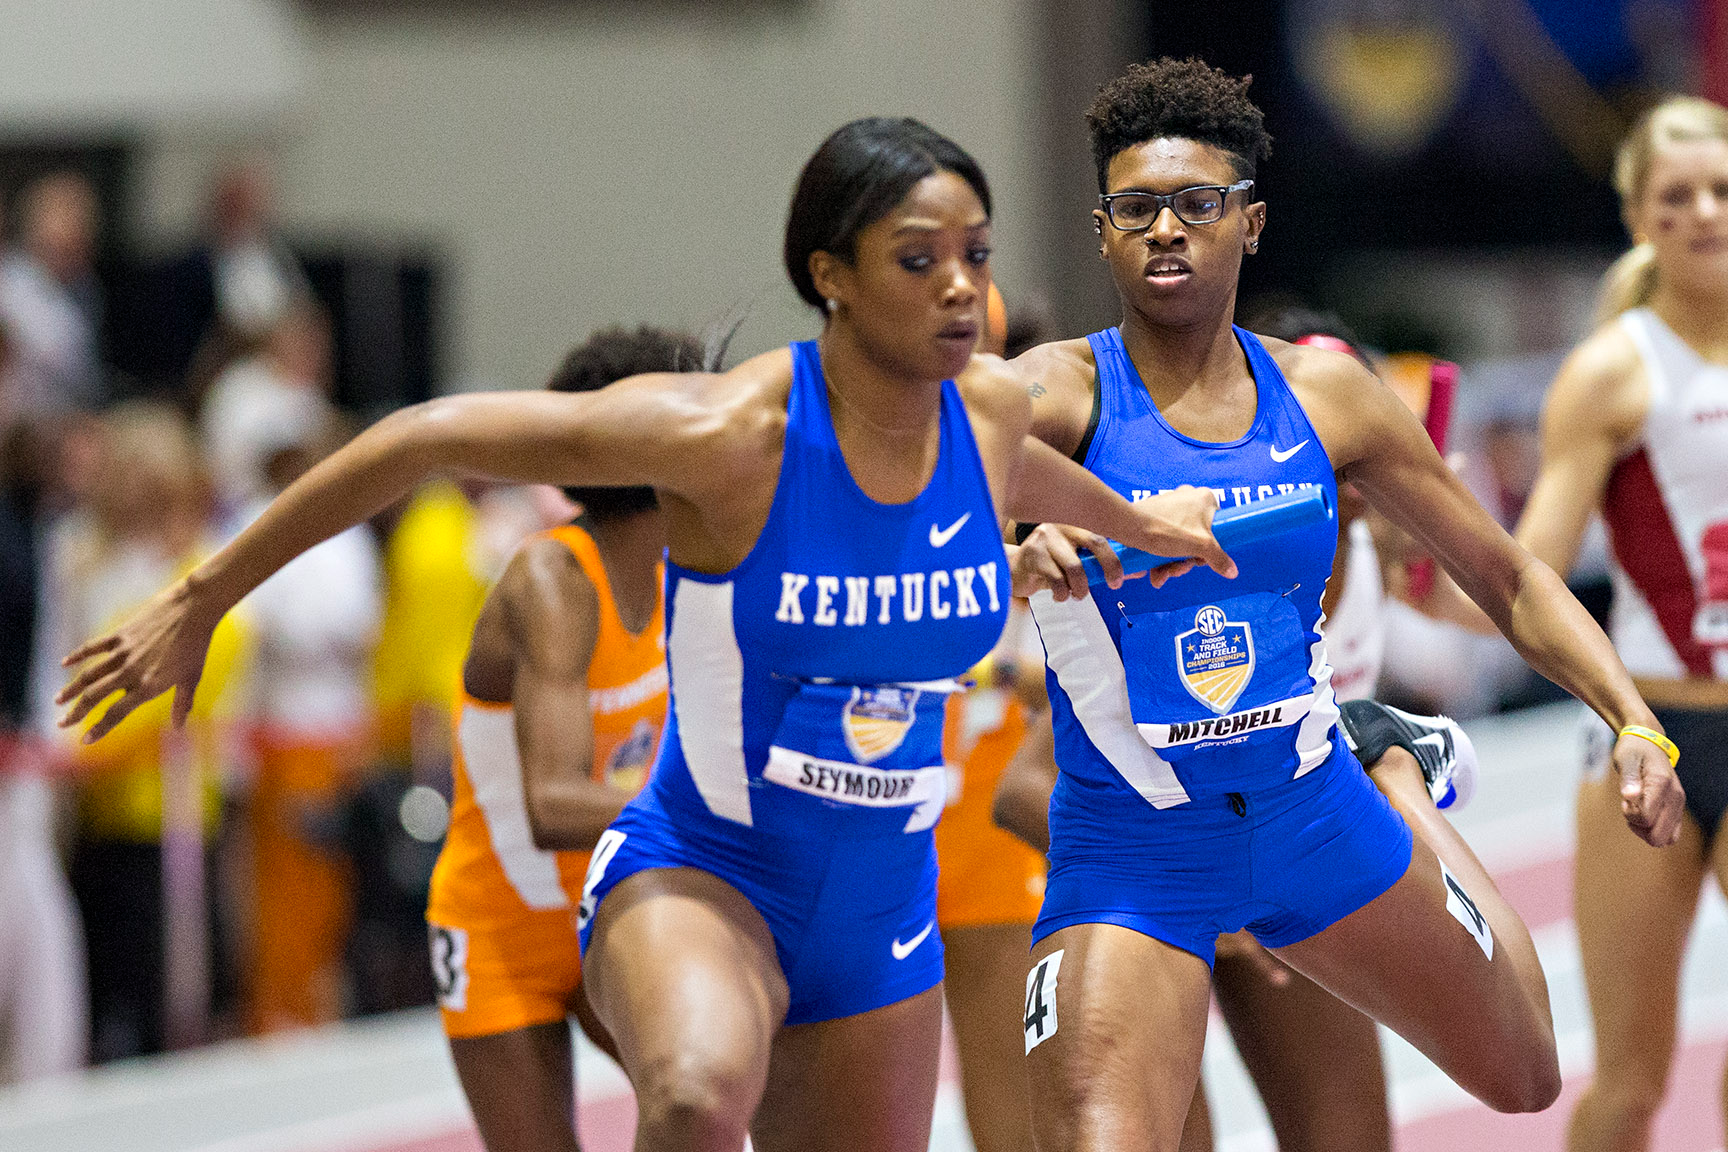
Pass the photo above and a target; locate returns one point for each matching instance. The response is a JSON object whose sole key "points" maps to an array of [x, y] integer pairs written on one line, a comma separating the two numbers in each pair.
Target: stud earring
{"points": [[833, 305]]}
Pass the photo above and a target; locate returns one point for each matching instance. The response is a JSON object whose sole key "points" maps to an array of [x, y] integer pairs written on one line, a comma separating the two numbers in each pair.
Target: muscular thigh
{"points": [[1116, 1022], [681, 971], [1428, 932], [863, 1083]]}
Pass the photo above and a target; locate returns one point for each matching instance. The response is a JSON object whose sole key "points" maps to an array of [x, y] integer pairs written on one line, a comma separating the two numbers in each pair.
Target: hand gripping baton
{"points": [[1243, 524]]}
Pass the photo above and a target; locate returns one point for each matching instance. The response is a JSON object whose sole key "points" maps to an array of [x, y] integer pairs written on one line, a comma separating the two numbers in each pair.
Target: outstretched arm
{"points": [[645, 430], [1038, 485], [1393, 462]]}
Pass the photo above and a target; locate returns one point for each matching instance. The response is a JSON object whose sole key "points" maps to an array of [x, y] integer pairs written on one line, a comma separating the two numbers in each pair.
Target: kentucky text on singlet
{"points": [[1666, 508], [1206, 685], [809, 682]]}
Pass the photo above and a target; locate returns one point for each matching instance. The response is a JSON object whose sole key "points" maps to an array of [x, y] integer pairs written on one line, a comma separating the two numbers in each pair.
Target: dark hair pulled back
{"points": [[606, 357], [857, 177]]}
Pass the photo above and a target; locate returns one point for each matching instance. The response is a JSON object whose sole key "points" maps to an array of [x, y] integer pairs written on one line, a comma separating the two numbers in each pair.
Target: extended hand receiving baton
{"points": [[1243, 524]]}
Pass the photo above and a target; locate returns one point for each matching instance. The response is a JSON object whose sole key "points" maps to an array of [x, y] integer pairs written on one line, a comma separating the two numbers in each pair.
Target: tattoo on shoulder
{"points": [[1035, 390]]}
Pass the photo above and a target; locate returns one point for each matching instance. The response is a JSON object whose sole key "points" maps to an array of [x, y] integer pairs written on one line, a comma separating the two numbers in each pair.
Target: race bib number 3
{"points": [[1040, 1016], [450, 966]]}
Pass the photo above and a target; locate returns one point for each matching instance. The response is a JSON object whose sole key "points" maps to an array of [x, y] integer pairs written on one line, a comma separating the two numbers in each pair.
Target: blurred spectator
{"points": [[43, 1027], [313, 626], [144, 524], [9, 398], [254, 277], [234, 284], [49, 297], [435, 583], [278, 396]]}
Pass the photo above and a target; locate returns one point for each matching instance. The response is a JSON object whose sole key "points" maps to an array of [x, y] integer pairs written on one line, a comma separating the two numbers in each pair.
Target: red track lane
{"points": [[1690, 1120]]}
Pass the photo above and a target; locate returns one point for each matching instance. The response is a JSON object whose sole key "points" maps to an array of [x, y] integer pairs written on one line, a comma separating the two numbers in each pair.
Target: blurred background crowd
{"points": [[236, 231]]}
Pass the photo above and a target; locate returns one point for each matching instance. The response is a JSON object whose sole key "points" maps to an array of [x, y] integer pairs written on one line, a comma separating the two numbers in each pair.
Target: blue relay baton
{"points": [[1243, 524]]}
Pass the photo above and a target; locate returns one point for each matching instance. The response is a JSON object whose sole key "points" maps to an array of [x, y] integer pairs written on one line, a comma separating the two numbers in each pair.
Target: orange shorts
{"points": [[988, 883], [985, 875], [508, 975]]}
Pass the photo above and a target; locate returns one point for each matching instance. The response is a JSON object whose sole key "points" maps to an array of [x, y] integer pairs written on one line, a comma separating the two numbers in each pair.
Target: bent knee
{"points": [[696, 1102], [1531, 1085]]}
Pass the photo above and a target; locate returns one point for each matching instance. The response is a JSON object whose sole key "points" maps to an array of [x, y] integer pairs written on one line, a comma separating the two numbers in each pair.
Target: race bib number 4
{"points": [[1040, 1015]]}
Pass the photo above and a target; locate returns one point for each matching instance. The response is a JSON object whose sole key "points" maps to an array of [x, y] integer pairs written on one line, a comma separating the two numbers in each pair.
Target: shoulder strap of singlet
{"points": [[612, 630], [1260, 361], [587, 554], [1114, 374], [807, 434], [1648, 332]]}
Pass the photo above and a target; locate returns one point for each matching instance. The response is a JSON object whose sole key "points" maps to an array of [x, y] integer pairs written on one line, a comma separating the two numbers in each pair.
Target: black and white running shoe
{"points": [[1440, 746]]}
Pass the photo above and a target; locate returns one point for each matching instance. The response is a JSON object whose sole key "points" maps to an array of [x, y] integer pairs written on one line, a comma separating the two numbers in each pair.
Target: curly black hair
{"points": [[1182, 98], [606, 357]]}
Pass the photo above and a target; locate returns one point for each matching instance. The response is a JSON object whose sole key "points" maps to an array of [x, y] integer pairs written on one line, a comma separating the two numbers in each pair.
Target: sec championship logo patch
{"points": [[1215, 658], [876, 720]]}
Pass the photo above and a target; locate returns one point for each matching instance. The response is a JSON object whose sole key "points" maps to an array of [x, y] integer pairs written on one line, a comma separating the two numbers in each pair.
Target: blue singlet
{"points": [[802, 759], [1203, 711]]}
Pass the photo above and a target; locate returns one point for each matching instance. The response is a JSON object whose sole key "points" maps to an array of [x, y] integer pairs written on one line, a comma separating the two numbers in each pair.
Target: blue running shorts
{"points": [[1284, 862], [853, 920]]}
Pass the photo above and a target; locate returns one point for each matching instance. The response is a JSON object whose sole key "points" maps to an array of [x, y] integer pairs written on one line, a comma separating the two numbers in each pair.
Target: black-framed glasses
{"points": [[1201, 204]]}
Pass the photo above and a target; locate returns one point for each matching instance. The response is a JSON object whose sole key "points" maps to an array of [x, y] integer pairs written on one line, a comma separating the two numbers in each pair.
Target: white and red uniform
{"points": [[1356, 631], [1666, 509]]}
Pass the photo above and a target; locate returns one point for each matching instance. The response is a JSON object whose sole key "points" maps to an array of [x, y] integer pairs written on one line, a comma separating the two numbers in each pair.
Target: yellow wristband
{"points": [[1668, 746]]}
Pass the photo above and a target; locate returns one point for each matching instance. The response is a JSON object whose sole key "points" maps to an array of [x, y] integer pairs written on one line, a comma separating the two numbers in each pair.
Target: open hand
{"points": [[161, 646]]}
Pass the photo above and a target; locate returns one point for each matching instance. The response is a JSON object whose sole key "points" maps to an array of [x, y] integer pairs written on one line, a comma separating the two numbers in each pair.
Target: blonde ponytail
{"points": [[1631, 280], [1629, 283]]}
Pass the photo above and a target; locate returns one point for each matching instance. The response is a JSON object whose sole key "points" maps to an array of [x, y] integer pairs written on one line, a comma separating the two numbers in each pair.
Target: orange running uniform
{"points": [[502, 913], [984, 874]]}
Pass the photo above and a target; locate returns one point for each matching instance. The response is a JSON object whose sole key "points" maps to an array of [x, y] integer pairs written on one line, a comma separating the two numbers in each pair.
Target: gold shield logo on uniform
{"points": [[876, 720], [1215, 658], [627, 768]]}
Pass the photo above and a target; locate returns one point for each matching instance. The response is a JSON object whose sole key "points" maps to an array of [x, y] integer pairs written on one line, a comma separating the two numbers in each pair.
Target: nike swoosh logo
{"points": [[1279, 457], [941, 536], [1438, 739], [901, 951]]}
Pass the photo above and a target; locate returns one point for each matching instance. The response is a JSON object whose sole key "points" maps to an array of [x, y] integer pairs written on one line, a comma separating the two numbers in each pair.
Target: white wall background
{"points": [[146, 65], [576, 166]]}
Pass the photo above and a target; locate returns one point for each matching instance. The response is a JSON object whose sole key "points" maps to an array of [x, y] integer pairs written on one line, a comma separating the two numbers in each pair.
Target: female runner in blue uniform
{"points": [[758, 924], [1205, 785]]}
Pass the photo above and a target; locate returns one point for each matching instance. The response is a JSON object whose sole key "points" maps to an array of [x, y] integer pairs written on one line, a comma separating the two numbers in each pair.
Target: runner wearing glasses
{"points": [[1206, 784]]}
